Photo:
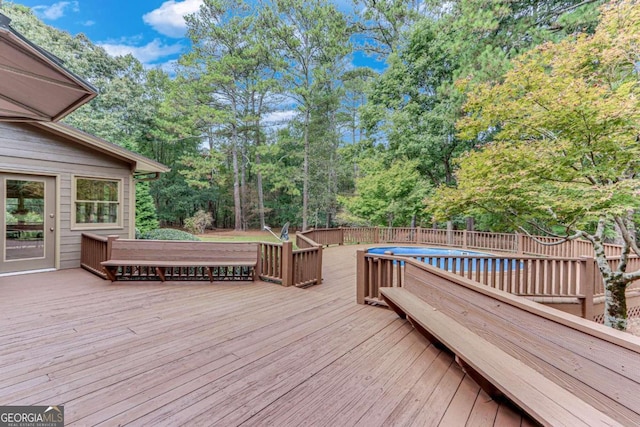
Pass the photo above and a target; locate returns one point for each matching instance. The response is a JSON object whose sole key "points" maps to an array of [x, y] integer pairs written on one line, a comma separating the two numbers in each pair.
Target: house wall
{"points": [[25, 149]]}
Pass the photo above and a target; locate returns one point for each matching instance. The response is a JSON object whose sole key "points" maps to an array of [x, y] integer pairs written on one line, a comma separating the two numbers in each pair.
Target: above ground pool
{"points": [[420, 250], [451, 259]]}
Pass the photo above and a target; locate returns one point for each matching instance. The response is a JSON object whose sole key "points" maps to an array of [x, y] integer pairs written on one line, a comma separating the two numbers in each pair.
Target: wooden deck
{"points": [[250, 353]]}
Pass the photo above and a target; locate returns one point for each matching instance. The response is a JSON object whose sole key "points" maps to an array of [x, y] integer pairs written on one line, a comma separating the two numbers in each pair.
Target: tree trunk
{"points": [[305, 172], [615, 305], [615, 299], [244, 198], [236, 180], [471, 223], [259, 178]]}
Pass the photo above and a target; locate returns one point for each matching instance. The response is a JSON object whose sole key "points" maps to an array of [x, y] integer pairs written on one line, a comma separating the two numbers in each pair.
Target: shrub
{"points": [[198, 222], [10, 219], [146, 217], [168, 234]]}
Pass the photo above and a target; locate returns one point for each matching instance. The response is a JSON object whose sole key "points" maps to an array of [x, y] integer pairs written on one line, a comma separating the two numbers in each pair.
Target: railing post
{"points": [[587, 283], [519, 243], [361, 277], [320, 249], [287, 263], [465, 245], [341, 236], [376, 236], [258, 271], [417, 240], [110, 240]]}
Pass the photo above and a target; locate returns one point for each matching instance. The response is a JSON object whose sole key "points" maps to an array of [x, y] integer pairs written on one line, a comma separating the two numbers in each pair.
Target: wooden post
{"points": [[417, 239], [341, 237], [361, 277], [110, 240], [376, 236], [320, 249], [519, 243], [258, 272], [587, 283], [287, 263], [464, 239]]}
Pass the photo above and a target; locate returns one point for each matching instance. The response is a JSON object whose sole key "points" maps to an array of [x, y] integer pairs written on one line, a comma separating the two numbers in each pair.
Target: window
{"points": [[97, 201]]}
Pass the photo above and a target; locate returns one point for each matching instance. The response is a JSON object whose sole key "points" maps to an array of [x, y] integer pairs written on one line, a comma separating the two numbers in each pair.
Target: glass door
{"points": [[28, 218]]}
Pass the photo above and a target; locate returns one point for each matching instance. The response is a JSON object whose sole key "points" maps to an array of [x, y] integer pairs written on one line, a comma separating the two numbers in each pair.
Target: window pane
{"points": [[99, 190], [24, 219], [97, 201]]}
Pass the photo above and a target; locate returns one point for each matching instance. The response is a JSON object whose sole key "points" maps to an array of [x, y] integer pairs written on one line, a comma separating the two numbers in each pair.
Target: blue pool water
{"points": [[446, 258], [418, 250]]}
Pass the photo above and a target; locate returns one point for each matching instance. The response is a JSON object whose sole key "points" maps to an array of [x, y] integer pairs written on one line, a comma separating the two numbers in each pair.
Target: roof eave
{"points": [[139, 163]]}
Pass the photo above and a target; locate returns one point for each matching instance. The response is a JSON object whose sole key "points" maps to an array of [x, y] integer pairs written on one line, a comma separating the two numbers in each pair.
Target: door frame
{"points": [[50, 223]]}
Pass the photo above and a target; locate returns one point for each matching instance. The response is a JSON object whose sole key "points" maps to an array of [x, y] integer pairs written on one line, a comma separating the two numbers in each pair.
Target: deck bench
{"points": [[559, 369], [180, 260]]}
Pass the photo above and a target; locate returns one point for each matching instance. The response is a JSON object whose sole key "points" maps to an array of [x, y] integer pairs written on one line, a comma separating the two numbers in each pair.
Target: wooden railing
{"points": [[94, 250], [503, 242], [277, 262], [270, 262], [550, 280], [356, 235], [280, 263]]}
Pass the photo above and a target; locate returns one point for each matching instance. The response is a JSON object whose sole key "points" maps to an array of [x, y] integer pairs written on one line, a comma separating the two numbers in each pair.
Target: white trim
{"points": [[75, 226]]}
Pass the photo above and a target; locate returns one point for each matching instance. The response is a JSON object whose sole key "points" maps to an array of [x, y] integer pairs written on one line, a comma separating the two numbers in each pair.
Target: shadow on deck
{"points": [[227, 354]]}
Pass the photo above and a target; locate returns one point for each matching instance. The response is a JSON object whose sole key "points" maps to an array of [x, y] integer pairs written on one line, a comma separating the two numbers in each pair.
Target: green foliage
{"points": [[312, 39], [564, 112], [384, 22], [10, 218], [387, 195], [199, 222], [146, 216], [563, 155], [168, 234]]}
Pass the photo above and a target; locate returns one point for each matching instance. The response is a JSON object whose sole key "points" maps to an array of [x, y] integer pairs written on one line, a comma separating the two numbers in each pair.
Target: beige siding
{"points": [[28, 150]]}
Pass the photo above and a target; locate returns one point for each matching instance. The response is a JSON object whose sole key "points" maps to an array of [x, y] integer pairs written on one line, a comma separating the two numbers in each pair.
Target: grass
{"points": [[213, 238]]}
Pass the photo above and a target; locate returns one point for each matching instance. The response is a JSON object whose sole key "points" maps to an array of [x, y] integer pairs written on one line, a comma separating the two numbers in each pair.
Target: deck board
{"points": [[248, 353]]}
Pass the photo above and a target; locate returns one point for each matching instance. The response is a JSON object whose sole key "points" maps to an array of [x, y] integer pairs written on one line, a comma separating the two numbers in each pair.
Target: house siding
{"points": [[25, 149]]}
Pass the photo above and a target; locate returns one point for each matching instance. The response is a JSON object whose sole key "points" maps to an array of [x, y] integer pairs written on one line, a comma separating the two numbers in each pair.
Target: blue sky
{"points": [[152, 31]]}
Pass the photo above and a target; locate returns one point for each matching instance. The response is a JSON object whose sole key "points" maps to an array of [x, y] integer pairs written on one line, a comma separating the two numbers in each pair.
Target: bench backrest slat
{"points": [[592, 368], [169, 250]]}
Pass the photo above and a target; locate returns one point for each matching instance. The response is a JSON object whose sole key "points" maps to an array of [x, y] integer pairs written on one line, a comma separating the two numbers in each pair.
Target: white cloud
{"points": [[88, 23], [278, 119], [146, 54], [56, 10], [168, 19], [168, 67]]}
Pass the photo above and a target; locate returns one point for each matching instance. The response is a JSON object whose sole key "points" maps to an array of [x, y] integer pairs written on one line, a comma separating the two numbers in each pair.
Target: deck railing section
{"points": [[95, 249], [280, 263], [270, 262], [356, 235], [502, 242], [551, 280]]}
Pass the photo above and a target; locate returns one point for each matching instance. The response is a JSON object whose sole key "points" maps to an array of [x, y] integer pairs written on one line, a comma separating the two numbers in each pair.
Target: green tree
{"points": [[146, 217], [565, 150], [381, 24], [390, 195], [313, 38], [231, 72]]}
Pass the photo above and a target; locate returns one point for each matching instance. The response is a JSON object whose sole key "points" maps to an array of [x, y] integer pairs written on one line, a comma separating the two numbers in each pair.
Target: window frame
{"points": [[75, 225]]}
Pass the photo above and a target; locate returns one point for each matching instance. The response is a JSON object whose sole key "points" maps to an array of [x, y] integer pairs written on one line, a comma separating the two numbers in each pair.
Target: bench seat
{"points": [[541, 398], [180, 260], [560, 369]]}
